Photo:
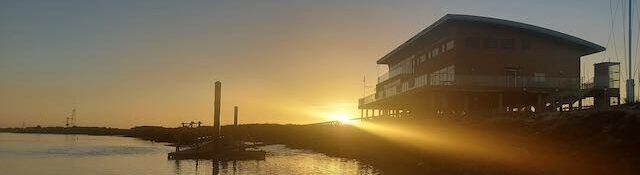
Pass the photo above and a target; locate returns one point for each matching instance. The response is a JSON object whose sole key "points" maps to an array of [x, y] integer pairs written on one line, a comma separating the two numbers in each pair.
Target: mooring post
{"points": [[216, 110], [235, 116]]}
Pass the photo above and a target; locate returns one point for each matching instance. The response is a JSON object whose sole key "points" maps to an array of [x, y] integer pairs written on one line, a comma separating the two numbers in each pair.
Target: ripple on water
{"points": [[96, 151], [26, 154]]}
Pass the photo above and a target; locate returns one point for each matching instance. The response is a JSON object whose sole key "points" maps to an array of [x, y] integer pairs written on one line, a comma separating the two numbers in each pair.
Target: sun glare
{"points": [[342, 118]]}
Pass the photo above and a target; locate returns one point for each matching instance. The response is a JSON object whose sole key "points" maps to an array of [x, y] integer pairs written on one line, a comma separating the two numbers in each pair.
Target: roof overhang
{"points": [[590, 47]]}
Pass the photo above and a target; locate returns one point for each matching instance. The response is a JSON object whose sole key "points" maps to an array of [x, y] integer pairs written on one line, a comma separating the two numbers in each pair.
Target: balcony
{"points": [[479, 82], [515, 82], [383, 77], [368, 99]]}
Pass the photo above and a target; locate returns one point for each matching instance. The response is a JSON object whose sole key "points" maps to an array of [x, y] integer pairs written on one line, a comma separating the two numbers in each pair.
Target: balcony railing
{"points": [[383, 77], [515, 82], [386, 76], [479, 81], [368, 99]]}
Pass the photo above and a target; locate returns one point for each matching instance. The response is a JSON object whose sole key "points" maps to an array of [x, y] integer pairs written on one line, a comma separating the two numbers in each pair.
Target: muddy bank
{"points": [[579, 142]]}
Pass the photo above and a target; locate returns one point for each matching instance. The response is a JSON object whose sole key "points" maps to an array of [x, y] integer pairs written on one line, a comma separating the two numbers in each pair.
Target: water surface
{"points": [[26, 154]]}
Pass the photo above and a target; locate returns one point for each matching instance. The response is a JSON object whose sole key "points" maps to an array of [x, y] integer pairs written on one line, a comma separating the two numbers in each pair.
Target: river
{"points": [[38, 154]]}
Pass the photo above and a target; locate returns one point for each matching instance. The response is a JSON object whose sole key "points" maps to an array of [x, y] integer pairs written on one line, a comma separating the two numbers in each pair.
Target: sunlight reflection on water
{"points": [[81, 154]]}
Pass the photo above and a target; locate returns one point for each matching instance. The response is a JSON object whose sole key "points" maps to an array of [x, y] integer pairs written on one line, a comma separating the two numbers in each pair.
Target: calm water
{"points": [[80, 154]]}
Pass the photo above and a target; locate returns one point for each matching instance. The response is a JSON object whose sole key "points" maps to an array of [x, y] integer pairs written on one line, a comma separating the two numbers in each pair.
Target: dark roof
{"points": [[591, 47]]}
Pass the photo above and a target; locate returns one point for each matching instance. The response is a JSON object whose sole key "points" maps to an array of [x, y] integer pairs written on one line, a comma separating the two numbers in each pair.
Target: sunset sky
{"points": [[125, 63]]}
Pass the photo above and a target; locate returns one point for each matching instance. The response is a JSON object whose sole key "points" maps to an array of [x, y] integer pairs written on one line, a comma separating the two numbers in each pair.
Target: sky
{"points": [[125, 63]]}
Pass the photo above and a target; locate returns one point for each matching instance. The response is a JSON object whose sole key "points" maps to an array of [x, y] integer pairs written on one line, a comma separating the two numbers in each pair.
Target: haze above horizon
{"points": [[126, 63]]}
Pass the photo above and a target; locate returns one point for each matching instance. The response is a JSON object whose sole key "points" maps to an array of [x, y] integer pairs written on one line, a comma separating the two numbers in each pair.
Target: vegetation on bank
{"points": [[69, 130]]}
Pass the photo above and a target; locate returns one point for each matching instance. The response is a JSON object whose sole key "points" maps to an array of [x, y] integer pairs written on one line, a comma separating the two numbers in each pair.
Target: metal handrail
{"points": [[481, 81]]}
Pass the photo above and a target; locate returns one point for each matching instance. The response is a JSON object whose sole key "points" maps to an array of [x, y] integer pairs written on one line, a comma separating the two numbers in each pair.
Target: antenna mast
{"points": [[364, 86], [630, 82]]}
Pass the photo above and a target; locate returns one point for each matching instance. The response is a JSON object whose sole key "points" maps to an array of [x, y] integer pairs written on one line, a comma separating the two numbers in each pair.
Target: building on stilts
{"points": [[462, 64]]}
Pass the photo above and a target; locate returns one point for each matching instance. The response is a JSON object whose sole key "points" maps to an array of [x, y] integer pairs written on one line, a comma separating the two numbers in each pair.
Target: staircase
{"points": [[568, 97]]}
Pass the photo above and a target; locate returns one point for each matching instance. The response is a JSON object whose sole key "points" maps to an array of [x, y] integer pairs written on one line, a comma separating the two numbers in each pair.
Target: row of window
{"points": [[436, 51], [403, 67], [444, 76], [492, 42], [539, 77]]}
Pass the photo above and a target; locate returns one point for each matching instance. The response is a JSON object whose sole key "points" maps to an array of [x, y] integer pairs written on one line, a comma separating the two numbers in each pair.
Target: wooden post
{"points": [[216, 110], [235, 116]]}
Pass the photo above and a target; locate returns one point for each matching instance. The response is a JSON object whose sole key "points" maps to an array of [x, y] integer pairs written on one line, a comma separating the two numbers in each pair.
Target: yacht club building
{"points": [[464, 63]]}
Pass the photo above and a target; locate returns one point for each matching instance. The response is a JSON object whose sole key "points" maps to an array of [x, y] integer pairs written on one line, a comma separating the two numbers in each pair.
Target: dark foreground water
{"points": [[40, 154]]}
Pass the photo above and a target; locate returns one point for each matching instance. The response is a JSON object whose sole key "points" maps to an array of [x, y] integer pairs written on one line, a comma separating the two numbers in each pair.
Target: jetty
{"points": [[218, 146]]}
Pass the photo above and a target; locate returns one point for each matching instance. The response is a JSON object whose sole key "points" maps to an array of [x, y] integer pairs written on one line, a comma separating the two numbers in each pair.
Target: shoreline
{"points": [[552, 142]]}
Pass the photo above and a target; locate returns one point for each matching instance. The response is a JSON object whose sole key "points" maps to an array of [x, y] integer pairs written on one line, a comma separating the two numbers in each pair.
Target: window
{"points": [[423, 58], [472, 42], [539, 77], [526, 44], [435, 52], [433, 78], [507, 43], [444, 76], [422, 80], [490, 42], [450, 45]]}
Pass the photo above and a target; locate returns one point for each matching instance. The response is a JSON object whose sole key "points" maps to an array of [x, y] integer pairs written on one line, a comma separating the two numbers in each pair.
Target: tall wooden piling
{"points": [[235, 116], [216, 110]]}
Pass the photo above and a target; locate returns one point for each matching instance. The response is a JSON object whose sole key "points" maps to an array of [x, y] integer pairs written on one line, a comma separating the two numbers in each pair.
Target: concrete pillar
{"points": [[500, 103], [602, 102], [445, 104], [570, 106], [466, 103], [434, 104], [541, 106], [580, 104], [366, 113]]}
